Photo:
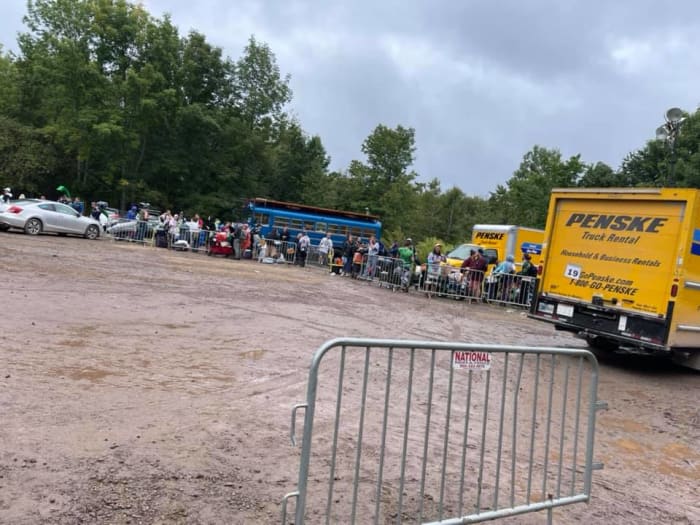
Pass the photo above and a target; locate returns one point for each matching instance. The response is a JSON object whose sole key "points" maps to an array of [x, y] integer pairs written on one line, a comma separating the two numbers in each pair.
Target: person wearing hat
{"points": [[6, 195]]}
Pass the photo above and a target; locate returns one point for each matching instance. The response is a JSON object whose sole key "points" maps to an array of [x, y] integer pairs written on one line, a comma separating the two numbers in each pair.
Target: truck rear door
{"points": [[619, 253]]}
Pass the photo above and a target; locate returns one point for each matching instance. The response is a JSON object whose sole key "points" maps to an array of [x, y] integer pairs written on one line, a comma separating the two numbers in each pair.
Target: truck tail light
{"points": [[539, 269], [674, 289]]}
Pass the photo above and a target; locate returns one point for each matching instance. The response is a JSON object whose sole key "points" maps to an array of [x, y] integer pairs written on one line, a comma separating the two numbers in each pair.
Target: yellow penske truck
{"points": [[504, 240], [622, 269]]}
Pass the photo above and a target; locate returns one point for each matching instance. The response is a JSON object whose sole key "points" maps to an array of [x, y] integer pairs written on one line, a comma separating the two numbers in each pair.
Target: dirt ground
{"points": [[145, 386]]}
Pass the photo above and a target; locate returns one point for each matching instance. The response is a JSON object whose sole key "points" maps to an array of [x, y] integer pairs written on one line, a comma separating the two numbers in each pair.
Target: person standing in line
{"points": [[284, 234], [285, 244], [142, 225], [478, 268], [527, 284], [324, 248], [372, 257], [394, 250], [173, 231], [77, 205], [349, 249], [504, 281], [303, 246], [407, 259], [435, 260]]}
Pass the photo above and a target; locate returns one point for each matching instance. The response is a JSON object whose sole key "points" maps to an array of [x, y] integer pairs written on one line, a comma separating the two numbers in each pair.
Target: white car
{"points": [[36, 216]]}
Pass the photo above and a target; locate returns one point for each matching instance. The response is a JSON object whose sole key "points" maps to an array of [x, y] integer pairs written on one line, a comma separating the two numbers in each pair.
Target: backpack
{"points": [[529, 269], [381, 249]]}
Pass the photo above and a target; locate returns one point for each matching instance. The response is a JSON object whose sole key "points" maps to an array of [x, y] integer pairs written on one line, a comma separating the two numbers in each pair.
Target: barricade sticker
{"points": [[471, 360]]}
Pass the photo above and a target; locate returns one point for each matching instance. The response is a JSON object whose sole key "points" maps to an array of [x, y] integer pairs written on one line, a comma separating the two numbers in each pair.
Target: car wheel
{"points": [[92, 232], [33, 227]]}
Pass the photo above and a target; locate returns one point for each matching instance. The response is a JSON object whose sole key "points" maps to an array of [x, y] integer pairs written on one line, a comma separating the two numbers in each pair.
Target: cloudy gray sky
{"points": [[480, 81]]}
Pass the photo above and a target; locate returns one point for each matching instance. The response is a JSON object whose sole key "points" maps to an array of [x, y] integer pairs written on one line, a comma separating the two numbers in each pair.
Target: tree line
{"points": [[116, 104]]}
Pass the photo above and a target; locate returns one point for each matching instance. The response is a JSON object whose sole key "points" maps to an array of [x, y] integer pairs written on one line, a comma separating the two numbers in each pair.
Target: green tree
{"points": [[599, 175], [9, 94], [260, 90], [385, 186], [525, 197], [656, 165], [27, 158]]}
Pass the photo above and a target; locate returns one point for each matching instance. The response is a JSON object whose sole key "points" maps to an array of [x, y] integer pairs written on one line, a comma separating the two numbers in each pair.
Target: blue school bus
{"points": [[270, 215]]}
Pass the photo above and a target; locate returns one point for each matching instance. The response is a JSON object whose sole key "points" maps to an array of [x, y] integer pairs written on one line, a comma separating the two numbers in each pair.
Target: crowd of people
{"points": [[369, 259], [354, 258]]}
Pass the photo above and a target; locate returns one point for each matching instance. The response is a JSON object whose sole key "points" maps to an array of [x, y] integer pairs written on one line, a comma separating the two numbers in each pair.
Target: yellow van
{"points": [[501, 240]]}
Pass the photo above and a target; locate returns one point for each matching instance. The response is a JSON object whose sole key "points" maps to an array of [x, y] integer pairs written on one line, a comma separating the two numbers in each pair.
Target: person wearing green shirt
{"points": [[406, 253], [404, 271]]}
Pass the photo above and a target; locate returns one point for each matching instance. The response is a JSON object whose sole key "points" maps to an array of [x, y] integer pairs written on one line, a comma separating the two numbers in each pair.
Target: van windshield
{"points": [[462, 251]]}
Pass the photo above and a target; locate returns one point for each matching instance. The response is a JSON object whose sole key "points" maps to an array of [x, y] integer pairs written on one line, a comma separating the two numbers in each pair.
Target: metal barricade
{"points": [[275, 251], [510, 289], [141, 232], [393, 274], [318, 259], [369, 266], [190, 239], [416, 431], [450, 282]]}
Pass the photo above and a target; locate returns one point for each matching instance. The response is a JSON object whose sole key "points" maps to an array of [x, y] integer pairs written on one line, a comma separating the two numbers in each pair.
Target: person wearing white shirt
{"points": [[304, 245], [324, 248]]}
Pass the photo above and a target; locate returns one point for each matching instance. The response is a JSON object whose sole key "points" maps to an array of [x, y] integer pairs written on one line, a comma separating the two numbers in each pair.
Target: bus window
{"points": [[367, 233], [321, 227], [309, 226], [337, 229], [355, 232], [281, 222], [263, 219], [295, 224]]}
